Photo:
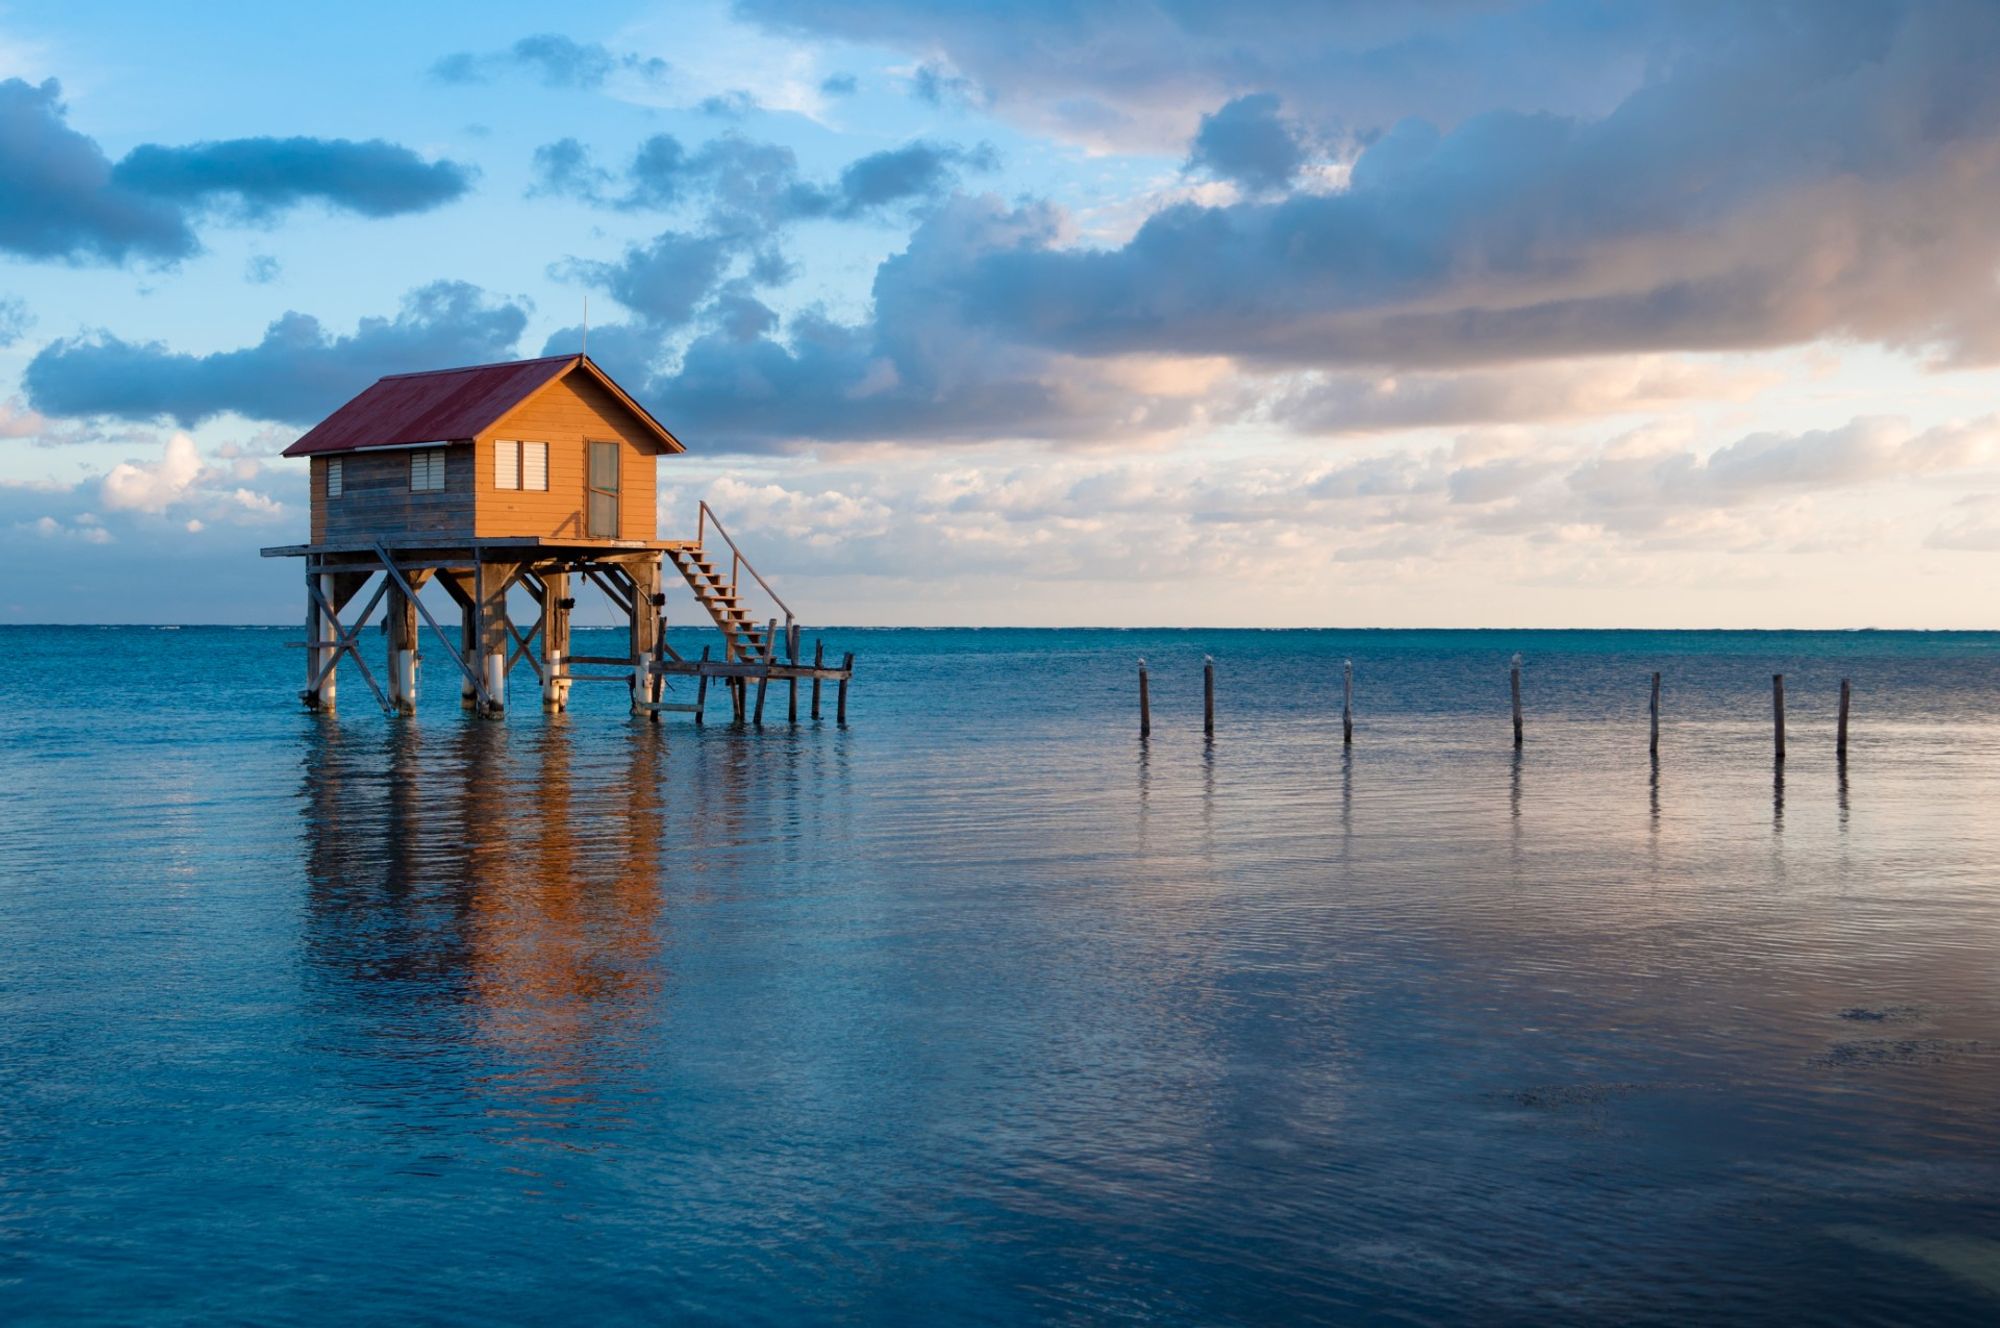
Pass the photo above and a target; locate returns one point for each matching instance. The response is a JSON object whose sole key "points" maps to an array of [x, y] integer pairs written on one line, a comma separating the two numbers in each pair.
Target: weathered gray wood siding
{"points": [[376, 502]]}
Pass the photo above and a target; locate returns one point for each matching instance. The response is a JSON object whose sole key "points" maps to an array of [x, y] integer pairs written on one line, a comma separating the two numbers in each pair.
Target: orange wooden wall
{"points": [[566, 415]]}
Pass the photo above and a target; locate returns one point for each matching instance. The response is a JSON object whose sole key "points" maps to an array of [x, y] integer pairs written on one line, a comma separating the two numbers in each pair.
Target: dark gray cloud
{"points": [[663, 280], [1248, 142], [557, 61], [916, 370], [262, 176], [1810, 179], [296, 374], [63, 199], [1135, 72], [750, 186], [59, 199], [745, 194]]}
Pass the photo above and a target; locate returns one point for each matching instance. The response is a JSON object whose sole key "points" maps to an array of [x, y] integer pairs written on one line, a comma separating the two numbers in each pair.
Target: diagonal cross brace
{"points": [[346, 640], [478, 683]]}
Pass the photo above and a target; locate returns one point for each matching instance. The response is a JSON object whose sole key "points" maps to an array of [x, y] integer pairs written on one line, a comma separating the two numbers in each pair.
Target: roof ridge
{"points": [[475, 368]]}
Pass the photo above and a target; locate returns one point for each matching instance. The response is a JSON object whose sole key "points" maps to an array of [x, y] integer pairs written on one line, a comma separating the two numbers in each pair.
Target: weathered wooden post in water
{"points": [[1778, 713], [1514, 683], [1145, 704], [840, 698], [1840, 734], [1347, 702], [1654, 711], [1208, 695]]}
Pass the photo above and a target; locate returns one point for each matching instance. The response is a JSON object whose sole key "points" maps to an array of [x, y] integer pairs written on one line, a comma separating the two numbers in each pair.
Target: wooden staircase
{"points": [[745, 639]]}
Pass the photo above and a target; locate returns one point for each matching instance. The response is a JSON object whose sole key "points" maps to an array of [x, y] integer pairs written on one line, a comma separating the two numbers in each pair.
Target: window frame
{"points": [[510, 460], [431, 461]]}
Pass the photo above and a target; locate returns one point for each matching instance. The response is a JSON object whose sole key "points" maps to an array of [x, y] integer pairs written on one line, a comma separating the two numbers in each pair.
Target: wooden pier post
{"points": [[819, 649], [495, 638], [792, 649], [329, 588], [402, 623], [1145, 705], [762, 679], [1208, 695], [555, 640], [1653, 710], [1514, 685], [1778, 713], [644, 575], [468, 646], [1840, 734], [701, 690], [840, 704], [1347, 703]]}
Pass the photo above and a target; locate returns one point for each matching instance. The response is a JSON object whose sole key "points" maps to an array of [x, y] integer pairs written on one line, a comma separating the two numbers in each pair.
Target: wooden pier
{"points": [[536, 478]]}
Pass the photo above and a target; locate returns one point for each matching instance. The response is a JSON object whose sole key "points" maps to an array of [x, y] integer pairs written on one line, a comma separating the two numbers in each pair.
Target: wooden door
{"points": [[603, 483]]}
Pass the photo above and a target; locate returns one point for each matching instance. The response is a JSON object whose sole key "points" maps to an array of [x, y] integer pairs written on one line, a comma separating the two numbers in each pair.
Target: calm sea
{"points": [[978, 1011]]}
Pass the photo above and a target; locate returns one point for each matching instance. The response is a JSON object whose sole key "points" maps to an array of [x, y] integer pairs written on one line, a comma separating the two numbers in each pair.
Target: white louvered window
{"points": [[520, 465], [427, 471], [333, 477]]}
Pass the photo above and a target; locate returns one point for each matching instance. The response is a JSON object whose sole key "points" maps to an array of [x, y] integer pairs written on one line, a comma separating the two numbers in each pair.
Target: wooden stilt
{"points": [[402, 651], [792, 651], [1653, 710], [468, 636], [555, 640], [329, 659], [314, 628], [1347, 702], [840, 702], [1145, 705], [645, 620], [1778, 714], [819, 650], [762, 680], [495, 637], [1514, 685], [1208, 695], [1840, 734], [701, 690]]}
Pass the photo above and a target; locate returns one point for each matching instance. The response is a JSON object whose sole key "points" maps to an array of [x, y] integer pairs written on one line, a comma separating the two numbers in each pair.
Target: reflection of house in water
{"points": [[487, 882]]}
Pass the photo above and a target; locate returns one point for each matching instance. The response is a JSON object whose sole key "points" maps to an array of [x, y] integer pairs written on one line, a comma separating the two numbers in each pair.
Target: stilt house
{"points": [[536, 474]]}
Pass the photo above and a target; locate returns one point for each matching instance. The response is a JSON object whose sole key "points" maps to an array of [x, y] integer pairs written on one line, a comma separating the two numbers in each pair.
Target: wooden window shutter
{"points": [[506, 465], [535, 466]]}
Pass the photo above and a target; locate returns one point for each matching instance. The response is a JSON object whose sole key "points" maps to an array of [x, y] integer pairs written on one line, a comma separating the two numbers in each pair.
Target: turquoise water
{"points": [[980, 1011]]}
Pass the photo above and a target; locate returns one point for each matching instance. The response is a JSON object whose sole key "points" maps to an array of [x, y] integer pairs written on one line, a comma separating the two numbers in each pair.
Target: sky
{"points": [[1148, 312]]}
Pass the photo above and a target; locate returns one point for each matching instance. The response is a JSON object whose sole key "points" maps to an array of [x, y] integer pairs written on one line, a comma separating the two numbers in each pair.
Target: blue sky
{"points": [[1543, 314]]}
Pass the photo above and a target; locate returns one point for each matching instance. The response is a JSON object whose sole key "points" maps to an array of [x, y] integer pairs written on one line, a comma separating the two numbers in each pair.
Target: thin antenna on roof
{"points": [[585, 352]]}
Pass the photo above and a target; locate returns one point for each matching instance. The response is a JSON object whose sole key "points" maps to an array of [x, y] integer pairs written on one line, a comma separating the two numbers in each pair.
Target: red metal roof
{"points": [[440, 406]]}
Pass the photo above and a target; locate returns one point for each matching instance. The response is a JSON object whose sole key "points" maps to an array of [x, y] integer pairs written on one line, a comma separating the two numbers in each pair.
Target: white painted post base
{"points": [[496, 681], [327, 632], [403, 681], [555, 692]]}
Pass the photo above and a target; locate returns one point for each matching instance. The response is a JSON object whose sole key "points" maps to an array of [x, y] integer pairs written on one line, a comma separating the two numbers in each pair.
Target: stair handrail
{"points": [[702, 520]]}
